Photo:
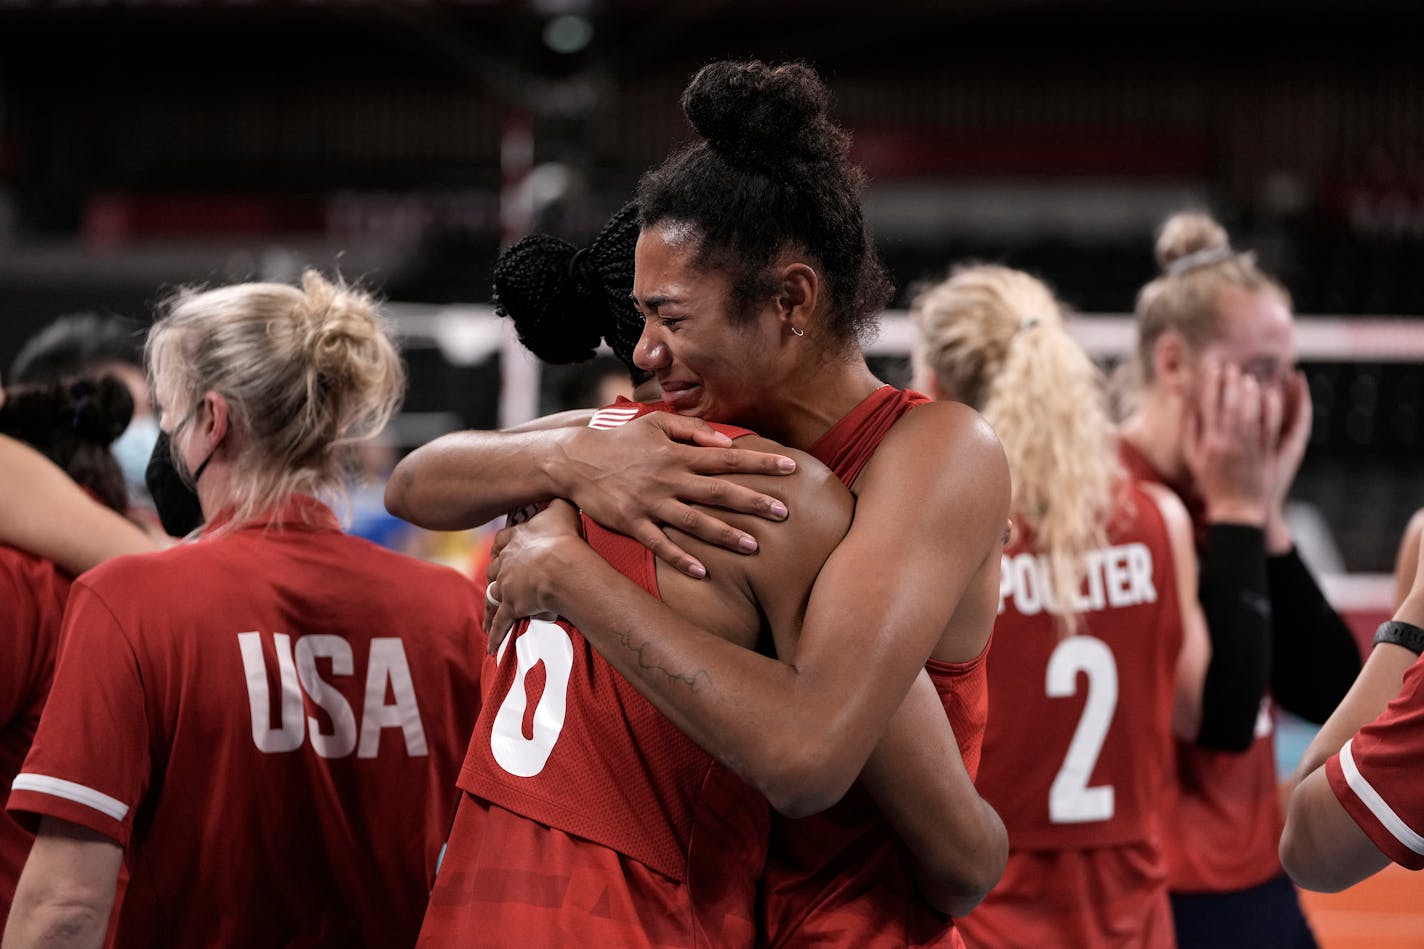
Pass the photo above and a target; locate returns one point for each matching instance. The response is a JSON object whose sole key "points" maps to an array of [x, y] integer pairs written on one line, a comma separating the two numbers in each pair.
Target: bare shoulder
{"points": [[812, 480], [945, 450], [1174, 512], [820, 506], [1176, 520], [946, 433]]}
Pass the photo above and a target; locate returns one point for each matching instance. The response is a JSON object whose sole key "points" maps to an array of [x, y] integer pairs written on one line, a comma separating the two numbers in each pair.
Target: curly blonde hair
{"points": [[305, 372], [995, 339]]}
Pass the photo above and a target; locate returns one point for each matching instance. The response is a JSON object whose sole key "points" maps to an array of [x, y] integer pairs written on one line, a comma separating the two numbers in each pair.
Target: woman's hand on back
{"points": [[664, 469], [526, 561]]}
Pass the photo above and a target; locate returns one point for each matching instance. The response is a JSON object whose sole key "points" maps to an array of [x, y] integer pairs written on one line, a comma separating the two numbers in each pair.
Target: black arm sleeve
{"points": [[1234, 593], [1316, 657]]}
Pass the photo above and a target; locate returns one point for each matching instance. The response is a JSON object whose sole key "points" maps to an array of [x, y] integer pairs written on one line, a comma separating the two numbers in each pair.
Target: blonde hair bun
{"points": [[1188, 232]]}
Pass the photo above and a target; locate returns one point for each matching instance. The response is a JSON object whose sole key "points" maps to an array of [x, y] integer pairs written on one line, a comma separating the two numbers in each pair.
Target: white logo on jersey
{"points": [[386, 671], [1116, 576], [607, 418]]}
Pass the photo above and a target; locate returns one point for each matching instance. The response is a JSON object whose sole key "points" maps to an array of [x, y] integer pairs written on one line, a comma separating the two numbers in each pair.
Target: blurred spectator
{"points": [[89, 344]]}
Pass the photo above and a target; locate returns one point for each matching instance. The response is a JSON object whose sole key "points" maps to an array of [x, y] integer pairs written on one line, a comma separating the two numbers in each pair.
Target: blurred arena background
{"points": [[149, 144]]}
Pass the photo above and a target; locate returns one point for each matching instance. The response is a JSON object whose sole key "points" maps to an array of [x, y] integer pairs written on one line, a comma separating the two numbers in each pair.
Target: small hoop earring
{"points": [[796, 332]]}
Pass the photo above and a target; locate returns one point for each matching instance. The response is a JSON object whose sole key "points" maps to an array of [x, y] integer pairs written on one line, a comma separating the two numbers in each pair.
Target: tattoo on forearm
{"points": [[691, 679]]}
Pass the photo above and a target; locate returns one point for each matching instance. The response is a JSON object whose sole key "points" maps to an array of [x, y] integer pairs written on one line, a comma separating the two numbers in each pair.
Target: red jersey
{"points": [[32, 594], [270, 722], [842, 877], [1375, 775], [1096, 707], [1226, 829], [590, 818]]}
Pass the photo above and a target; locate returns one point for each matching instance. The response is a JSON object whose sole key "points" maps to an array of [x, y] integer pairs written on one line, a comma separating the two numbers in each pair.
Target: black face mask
{"points": [[173, 497]]}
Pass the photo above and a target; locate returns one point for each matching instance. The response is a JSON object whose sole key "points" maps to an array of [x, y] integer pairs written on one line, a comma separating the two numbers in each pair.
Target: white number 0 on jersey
{"points": [[526, 757], [1070, 800]]}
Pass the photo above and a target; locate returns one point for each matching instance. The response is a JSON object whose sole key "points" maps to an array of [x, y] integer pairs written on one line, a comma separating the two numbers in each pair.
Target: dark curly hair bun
{"points": [[563, 301], [73, 423], [103, 408], [761, 114], [535, 287]]}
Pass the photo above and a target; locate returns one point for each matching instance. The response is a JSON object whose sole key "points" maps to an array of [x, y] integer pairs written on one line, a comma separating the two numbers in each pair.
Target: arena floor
{"points": [[1384, 912]]}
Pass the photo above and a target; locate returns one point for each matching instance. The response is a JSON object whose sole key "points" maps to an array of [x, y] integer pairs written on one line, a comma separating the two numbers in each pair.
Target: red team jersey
{"points": [[1083, 810], [32, 594], [842, 877], [1375, 775], [1228, 818], [589, 818], [270, 722]]}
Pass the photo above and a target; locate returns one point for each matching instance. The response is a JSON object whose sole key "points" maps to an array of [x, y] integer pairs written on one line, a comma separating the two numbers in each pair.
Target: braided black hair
{"points": [[563, 301], [73, 424], [772, 172]]}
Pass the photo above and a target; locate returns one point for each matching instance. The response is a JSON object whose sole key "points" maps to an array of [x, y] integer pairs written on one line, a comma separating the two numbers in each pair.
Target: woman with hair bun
{"points": [[756, 278], [40, 495], [263, 723], [1222, 417], [530, 278], [73, 424], [1099, 645], [565, 301]]}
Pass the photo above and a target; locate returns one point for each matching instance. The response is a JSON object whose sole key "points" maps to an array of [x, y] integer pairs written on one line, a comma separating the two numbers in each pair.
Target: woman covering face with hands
{"points": [[1222, 417]]}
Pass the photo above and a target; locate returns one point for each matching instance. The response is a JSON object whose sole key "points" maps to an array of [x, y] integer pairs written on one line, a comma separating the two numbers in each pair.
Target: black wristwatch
{"points": [[1408, 635]]}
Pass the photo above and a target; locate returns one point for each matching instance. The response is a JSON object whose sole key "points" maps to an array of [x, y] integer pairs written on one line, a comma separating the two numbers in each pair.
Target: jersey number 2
{"points": [[525, 757], [1070, 800]]}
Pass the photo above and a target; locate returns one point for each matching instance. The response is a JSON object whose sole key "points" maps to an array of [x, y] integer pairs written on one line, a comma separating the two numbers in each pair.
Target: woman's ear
{"points": [[216, 426], [1173, 364], [797, 295]]}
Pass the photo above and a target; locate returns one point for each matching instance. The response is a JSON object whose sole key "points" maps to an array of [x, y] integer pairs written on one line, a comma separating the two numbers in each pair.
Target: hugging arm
{"points": [[43, 512], [632, 479], [801, 728], [919, 781]]}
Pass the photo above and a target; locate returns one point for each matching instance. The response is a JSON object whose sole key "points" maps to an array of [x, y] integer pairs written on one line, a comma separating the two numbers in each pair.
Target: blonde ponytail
{"points": [[995, 338]]}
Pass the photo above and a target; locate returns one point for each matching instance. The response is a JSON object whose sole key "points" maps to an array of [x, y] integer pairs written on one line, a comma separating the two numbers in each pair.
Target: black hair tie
{"points": [[82, 392]]}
